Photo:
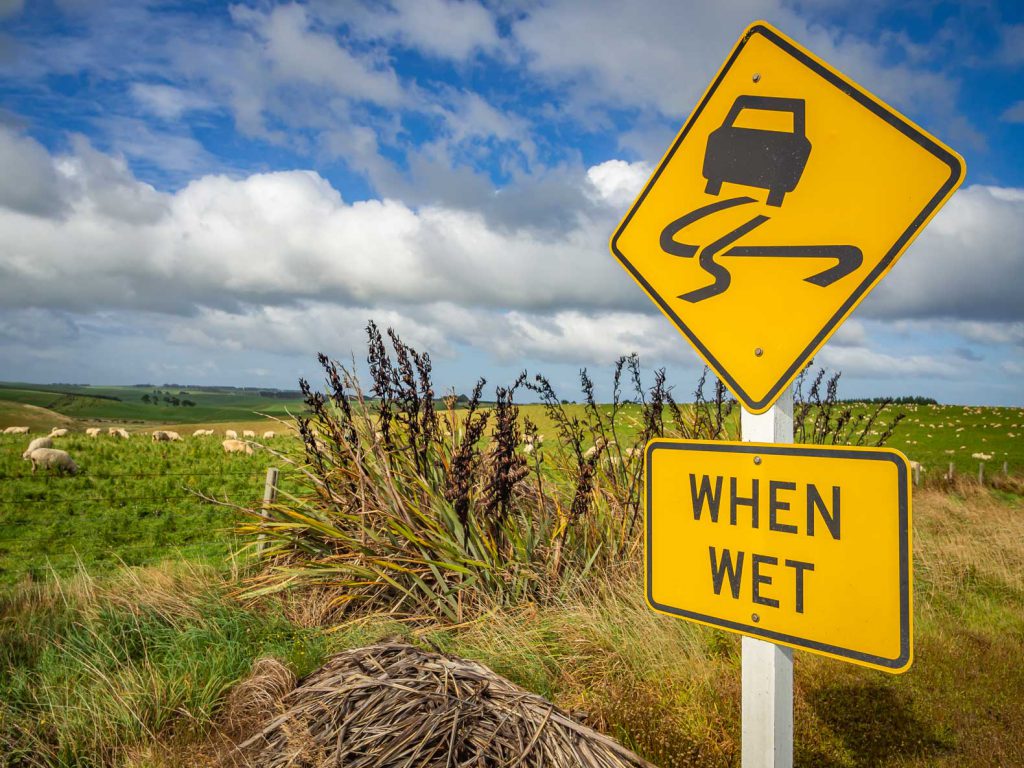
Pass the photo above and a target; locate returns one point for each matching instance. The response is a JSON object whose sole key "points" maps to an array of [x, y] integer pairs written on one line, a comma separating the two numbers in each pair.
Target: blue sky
{"points": [[213, 193]]}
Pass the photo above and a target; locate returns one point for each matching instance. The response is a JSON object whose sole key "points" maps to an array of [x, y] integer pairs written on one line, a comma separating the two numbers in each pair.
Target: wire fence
{"points": [[54, 524]]}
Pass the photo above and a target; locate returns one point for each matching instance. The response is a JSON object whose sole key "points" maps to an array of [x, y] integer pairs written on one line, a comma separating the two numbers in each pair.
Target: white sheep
{"points": [[58, 432], [93, 432], [112, 431], [39, 442], [269, 435], [199, 433], [248, 433], [16, 431], [122, 433], [165, 435], [237, 446], [51, 458], [230, 434]]}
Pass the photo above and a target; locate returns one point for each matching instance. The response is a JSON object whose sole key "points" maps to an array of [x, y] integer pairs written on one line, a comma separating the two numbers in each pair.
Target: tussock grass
{"points": [[91, 669], [411, 512]]}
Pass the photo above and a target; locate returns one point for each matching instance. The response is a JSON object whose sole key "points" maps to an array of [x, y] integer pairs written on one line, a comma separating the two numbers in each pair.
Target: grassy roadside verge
{"points": [[134, 668]]}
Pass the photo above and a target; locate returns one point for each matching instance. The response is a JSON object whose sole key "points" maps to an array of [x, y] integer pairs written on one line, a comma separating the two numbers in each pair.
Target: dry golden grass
{"points": [[969, 534]]}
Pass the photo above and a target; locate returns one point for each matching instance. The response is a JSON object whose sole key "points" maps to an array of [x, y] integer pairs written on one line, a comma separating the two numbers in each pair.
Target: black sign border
{"points": [[901, 662], [851, 90]]}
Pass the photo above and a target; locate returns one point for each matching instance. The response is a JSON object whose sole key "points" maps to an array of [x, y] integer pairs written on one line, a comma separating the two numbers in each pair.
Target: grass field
{"points": [[122, 631], [135, 669], [134, 502]]}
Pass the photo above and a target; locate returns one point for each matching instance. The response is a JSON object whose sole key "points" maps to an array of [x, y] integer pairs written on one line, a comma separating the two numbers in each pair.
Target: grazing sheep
{"points": [[202, 432], [981, 456], [269, 435], [248, 433], [39, 442], [237, 446], [122, 433], [230, 434], [165, 435], [93, 432], [51, 458], [58, 432], [16, 431]]}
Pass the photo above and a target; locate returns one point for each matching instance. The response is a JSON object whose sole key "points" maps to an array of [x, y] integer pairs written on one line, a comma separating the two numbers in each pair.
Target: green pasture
{"points": [[134, 501], [936, 435]]}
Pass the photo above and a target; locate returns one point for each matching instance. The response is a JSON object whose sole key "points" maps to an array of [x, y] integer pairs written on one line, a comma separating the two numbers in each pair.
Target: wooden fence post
{"points": [[981, 472], [269, 497]]}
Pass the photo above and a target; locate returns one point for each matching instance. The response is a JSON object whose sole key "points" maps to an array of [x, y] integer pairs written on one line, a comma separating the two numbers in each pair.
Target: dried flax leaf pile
{"points": [[396, 705]]}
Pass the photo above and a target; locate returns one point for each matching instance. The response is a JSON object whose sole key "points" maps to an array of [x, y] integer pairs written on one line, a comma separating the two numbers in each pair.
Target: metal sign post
{"points": [[767, 667]]}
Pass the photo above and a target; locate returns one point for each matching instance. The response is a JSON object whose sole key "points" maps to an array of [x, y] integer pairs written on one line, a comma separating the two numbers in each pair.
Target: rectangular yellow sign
{"points": [[806, 546]]}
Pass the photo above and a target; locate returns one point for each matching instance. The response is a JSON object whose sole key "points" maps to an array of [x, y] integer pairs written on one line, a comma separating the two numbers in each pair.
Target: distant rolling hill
{"points": [[126, 404]]}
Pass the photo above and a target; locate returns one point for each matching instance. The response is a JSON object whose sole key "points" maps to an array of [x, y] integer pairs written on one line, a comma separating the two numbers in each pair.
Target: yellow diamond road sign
{"points": [[806, 546], [788, 194]]}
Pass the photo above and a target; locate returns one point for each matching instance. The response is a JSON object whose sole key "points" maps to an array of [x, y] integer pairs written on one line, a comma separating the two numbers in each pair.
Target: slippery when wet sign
{"points": [[806, 546], [786, 197]]}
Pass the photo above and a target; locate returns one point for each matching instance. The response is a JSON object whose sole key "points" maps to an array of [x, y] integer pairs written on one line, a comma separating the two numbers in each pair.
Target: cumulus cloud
{"points": [[278, 238], [28, 183], [617, 182], [968, 263]]}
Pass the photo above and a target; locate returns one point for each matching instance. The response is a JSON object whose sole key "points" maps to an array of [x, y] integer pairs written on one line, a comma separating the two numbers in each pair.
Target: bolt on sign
{"points": [[786, 197], [805, 546]]}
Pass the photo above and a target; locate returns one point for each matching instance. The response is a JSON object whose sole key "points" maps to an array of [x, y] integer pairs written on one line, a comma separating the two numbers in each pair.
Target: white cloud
{"points": [[298, 54], [967, 264], [167, 101], [28, 182], [278, 238], [870, 363], [664, 54], [1014, 113], [447, 29], [617, 182]]}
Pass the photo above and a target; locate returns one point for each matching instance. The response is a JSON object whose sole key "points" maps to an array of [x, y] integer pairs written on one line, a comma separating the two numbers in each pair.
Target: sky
{"points": [[213, 193]]}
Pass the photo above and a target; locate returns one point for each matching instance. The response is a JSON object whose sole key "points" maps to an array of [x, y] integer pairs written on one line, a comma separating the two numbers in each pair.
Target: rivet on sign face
{"points": [[755, 617], [757, 459], [757, 76], [758, 352]]}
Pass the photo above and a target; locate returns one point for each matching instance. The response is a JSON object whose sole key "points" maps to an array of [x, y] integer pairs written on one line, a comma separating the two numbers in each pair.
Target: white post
{"points": [[767, 667]]}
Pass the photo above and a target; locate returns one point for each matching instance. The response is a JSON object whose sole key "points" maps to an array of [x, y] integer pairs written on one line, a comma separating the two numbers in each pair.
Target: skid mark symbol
{"points": [[848, 257]]}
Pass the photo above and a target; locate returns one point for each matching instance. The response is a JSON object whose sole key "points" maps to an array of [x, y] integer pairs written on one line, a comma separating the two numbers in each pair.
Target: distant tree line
{"points": [[166, 397], [904, 400]]}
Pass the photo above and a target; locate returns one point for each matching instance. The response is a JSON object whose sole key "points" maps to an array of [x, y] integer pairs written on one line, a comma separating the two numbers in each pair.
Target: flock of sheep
{"points": [[42, 454]]}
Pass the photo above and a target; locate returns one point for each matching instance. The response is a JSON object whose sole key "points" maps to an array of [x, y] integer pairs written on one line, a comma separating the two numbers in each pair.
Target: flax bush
{"points": [[417, 508]]}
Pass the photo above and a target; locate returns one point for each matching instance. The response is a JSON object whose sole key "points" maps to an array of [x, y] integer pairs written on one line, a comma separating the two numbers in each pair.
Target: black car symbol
{"points": [[772, 160]]}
